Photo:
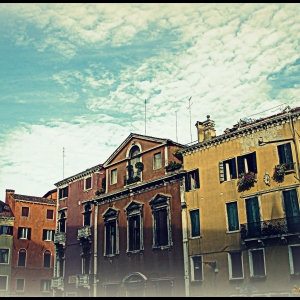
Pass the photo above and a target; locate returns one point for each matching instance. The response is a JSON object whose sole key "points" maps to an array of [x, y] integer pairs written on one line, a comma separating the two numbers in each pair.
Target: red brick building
{"points": [[75, 232], [33, 250], [139, 221]]}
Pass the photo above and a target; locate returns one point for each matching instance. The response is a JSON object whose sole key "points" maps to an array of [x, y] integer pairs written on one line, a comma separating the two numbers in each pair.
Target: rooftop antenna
{"points": [[63, 162], [176, 126], [189, 108], [145, 116]]}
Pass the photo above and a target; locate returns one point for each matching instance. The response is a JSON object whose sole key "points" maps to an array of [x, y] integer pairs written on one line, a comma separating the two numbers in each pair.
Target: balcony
{"points": [[84, 232], [60, 238], [83, 280], [270, 228], [132, 177], [57, 283]]}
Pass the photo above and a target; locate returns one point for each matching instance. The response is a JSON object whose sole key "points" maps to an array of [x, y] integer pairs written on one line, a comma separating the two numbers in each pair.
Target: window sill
{"points": [[233, 231], [110, 255], [157, 248], [4, 263], [237, 278], [129, 253], [195, 237], [193, 190], [258, 277], [23, 238], [86, 190], [200, 280], [64, 198]]}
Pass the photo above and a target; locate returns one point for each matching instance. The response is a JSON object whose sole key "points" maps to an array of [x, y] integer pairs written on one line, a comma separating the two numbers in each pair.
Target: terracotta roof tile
{"points": [[6, 211], [34, 199]]}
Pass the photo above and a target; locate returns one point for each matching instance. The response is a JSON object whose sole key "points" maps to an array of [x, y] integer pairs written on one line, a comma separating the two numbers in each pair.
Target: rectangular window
{"points": [[24, 233], [63, 192], [235, 263], [3, 283], [20, 284], [196, 268], [45, 285], [134, 228], [25, 211], [6, 230], [50, 214], [110, 233], [4, 256], [88, 183], [22, 258], [285, 155], [47, 259], [157, 162], [257, 263], [247, 163], [161, 225], [227, 170], [232, 216], [48, 235], [192, 181], [195, 223], [294, 258], [113, 176]]}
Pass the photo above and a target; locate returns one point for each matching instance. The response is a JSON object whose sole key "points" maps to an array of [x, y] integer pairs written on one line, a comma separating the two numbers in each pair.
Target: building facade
{"points": [[6, 247], [139, 235], [74, 247], [243, 214], [33, 251]]}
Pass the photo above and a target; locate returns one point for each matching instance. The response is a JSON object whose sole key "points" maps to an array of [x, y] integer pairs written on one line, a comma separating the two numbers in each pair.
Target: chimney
{"points": [[9, 199], [206, 130]]}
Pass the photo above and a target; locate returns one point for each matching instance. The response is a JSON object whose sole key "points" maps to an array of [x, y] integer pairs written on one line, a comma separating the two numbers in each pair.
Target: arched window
{"points": [[62, 222], [87, 215], [47, 259], [22, 258]]}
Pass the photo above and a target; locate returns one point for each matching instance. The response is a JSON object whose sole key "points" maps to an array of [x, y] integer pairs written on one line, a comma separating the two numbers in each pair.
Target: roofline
{"points": [[79, 175], [249, 128]]}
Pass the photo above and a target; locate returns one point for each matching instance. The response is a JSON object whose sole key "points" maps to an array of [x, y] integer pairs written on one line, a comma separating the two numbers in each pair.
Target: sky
{"points": [[76, 77]]}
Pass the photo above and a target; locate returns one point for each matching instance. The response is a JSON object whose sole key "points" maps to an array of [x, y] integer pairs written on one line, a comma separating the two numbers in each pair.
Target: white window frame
{"points": [[24, 235], [111, 176], [291, 263], [230, 265], [49, 283], [111, 215], [227, 223], [6, 282], [44, 259], [25, 258], [198, 236], [154, 166], [47, 214], [8, 253], [85, 178], [62, 188], [49, 233], [64, 218], [135, 208], [224, 169], [251, 261], [90, 211], [23, 284], [193, 268]]}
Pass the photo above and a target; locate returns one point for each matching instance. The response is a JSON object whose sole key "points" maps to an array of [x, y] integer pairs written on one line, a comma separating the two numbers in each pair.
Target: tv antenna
{"points": [[176, 126], [63, 162], [189, 108], [145, 116]]}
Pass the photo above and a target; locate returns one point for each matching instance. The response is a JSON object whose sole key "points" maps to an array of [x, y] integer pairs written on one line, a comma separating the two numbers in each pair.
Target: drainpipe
{"points": [[184, 238], [95, 249], [295, 143]]}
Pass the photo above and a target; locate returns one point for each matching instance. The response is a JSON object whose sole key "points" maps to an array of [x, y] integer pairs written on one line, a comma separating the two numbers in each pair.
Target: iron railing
{"points": [[57, 282], [84, 232], [60, 238], [270, 227], [132, 177], [82, 279]]}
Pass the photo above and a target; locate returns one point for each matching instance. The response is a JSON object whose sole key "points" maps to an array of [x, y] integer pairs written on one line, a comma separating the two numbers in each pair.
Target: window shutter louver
{"points": [[241, 167], [288, 153], [233, 164], [253, 156], [19, 232], [197, 178], [187, 183], [281, 154], [221, 171], [29, 234], [53, 232], [44, 234]]}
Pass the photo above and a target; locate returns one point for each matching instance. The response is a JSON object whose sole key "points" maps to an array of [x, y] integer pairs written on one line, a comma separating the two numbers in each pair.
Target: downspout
{"points": [[95, 248], [296, 144], [184, 238]]}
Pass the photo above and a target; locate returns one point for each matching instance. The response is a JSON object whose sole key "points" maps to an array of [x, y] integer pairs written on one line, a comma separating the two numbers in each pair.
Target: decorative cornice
{"points": [[79, 175], [243, 131]]}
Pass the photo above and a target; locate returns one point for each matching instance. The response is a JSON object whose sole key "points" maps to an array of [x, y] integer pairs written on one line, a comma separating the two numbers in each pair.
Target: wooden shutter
{"points": [[197, 178], [221, 171], [254, 164], [162, 227], [187, 182], [53, 232], [19, 232], [44, 234], [241, 167], [29, 234]]}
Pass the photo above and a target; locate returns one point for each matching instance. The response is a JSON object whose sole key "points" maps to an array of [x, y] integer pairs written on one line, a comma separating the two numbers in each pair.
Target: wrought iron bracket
{"points": [[212, 264]]}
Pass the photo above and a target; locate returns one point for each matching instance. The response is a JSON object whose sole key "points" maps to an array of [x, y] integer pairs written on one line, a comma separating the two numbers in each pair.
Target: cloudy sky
{"points": [[76, 76]]}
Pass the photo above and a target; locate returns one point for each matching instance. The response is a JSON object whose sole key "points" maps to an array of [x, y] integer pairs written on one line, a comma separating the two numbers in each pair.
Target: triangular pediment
{"points": [[150, 142], [133, 205]]}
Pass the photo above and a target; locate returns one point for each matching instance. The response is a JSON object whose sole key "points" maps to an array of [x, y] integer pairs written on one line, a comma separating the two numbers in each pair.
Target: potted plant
{"points": [[172, 166], [246, 180], [281, 169], [100, 191], [140, 166], [129, 168], [177, 153]]}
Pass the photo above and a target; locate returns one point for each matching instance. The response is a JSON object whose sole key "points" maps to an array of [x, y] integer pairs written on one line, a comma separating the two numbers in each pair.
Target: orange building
{"points": [[33, 251]]}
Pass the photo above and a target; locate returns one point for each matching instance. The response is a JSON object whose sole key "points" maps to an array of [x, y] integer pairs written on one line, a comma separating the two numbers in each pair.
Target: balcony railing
{"points": [[84, 232], [60, 238], [270, 228], [57, 283], [132, 177], [82, 280]]}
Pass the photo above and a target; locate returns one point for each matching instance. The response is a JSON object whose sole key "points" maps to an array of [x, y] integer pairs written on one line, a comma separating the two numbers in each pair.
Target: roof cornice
{"points": [[79, 175], [242, 131]]}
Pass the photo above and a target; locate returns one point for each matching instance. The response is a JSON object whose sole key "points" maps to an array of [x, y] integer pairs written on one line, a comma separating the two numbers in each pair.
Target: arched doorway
{"points": [[135, 285]]}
